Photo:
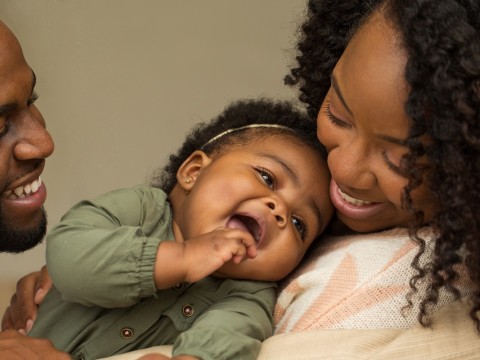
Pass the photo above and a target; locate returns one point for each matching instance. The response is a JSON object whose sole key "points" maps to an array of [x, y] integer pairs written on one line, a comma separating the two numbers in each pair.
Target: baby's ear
{"points": [[190, 169]]}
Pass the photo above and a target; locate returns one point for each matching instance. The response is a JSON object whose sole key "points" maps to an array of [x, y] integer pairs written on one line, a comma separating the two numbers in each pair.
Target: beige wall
{"points": [[120, 81]]}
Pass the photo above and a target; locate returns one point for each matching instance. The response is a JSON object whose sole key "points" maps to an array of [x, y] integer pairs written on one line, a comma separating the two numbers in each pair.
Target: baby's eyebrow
{"points": [[292, 174]]}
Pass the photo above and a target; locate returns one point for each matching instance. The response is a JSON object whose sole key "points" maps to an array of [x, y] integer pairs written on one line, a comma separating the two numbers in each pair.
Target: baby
{"points": [[192, 260]]}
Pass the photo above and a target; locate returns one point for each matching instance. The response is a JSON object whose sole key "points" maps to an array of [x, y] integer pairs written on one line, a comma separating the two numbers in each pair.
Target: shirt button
{"points": [[178, 286], [188, 310], [81, 357], [127, 333]]}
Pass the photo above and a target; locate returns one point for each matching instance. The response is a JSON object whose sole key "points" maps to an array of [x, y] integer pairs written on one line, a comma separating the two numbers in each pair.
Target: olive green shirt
{"points": [[101, 258]]}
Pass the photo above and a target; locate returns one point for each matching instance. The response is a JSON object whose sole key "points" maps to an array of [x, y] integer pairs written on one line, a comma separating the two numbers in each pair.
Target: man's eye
{"points": [[32, 99], [299, 226], [267, 178]]}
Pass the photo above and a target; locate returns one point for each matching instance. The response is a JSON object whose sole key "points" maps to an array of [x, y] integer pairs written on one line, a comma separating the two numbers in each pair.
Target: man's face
{"points": [[24, 145]]}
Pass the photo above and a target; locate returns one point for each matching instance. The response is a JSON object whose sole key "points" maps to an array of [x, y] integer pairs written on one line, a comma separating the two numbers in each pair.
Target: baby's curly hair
{"points": [[240, 113], [442, 40]]}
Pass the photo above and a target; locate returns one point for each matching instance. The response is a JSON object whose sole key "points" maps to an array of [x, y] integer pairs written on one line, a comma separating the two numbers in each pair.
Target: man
{"points": [[24, 145]]}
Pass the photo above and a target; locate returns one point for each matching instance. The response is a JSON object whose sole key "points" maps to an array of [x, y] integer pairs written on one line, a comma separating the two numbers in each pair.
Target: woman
{"points": [[395, 89]]}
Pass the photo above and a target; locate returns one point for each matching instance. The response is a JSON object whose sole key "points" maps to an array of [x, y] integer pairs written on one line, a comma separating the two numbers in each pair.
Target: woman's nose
{"points": [[352, 166], [34, 140]]}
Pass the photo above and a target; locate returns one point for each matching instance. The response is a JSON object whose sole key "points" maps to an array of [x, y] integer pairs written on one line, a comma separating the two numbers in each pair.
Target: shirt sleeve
{"points": [[103, 251], [233, 328]]}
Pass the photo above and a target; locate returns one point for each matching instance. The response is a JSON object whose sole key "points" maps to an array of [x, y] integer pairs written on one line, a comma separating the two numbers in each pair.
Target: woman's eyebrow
{"points": [[334, 83], [337, 90], [393, 140]]}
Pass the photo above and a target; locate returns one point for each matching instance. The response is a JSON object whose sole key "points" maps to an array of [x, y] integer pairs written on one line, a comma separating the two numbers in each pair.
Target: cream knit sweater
{"points": [[355, 282]]}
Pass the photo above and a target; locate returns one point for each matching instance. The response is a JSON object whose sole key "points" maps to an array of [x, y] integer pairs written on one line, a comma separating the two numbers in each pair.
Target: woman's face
{"points": [[363, 124]]}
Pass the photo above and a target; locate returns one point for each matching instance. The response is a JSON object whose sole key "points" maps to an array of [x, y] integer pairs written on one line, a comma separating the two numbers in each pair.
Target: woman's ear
{"points": [[190, 169]]}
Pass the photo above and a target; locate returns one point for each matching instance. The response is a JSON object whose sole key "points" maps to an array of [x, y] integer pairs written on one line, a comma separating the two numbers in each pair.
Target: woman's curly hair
{"points": [[442, 40], [238, 114]]}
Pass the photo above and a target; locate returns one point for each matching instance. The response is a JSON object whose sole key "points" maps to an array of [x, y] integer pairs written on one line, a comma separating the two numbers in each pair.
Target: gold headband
{"points": [[216, 137]]}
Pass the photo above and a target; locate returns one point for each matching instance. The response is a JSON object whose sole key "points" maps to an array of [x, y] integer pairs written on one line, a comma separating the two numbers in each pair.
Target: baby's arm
{"points": [[196, 258], [103, 251]]}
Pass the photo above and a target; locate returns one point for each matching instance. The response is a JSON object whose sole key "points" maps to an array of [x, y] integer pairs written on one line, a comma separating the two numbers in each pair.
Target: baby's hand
{"points": [[207, 253], [198, 257]]}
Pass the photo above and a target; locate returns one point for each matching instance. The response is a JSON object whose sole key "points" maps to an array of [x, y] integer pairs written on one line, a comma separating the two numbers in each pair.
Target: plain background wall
{"points": [[121, 81]]}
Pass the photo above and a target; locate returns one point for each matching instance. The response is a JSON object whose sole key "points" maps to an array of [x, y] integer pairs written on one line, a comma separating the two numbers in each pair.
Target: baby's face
{"points": [[276, 189]]}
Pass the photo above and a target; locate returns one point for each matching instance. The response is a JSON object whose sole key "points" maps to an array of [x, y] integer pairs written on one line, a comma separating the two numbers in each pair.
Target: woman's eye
{"points": [[32, 99], [267, 178], [333, 119], [299, 226], [393, 167]]}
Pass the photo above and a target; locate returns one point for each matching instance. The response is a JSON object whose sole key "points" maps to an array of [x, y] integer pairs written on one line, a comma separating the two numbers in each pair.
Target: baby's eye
{"points": [[299, 226], [267, 178]]}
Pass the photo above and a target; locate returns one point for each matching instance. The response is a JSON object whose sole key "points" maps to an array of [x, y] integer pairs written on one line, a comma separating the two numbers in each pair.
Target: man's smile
{"points": [[23, 191]]}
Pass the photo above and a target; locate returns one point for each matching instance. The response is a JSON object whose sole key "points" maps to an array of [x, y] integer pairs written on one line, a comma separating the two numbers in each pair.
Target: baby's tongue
{"points": [[236, 223]]}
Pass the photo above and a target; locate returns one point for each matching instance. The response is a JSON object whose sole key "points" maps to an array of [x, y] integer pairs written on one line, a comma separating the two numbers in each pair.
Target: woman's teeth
{"points": [[23, 191], [353, 201]]}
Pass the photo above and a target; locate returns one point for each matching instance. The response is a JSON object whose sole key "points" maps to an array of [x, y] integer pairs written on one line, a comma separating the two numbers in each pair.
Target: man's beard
{"points": [[19, 240]]}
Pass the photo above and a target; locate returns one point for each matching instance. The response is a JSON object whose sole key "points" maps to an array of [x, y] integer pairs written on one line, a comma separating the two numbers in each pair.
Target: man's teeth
{"points": [[353, 201], [23, 191]]}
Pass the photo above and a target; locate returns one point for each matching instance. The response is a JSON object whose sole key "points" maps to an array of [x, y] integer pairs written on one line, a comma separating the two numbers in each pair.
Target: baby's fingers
{"points": [[247, 249], [250, 246], [252, 250], [239, 251]]}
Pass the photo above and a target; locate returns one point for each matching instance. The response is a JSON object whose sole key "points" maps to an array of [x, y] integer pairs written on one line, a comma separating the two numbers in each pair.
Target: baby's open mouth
{"points": [[246, 223]]}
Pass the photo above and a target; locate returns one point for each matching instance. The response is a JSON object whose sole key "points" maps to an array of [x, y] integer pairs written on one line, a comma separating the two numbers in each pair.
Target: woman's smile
{"points": [[354, 208]]}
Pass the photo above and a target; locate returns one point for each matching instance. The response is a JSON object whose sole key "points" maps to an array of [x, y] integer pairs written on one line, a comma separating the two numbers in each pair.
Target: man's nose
{"points": [[34, 141]]}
